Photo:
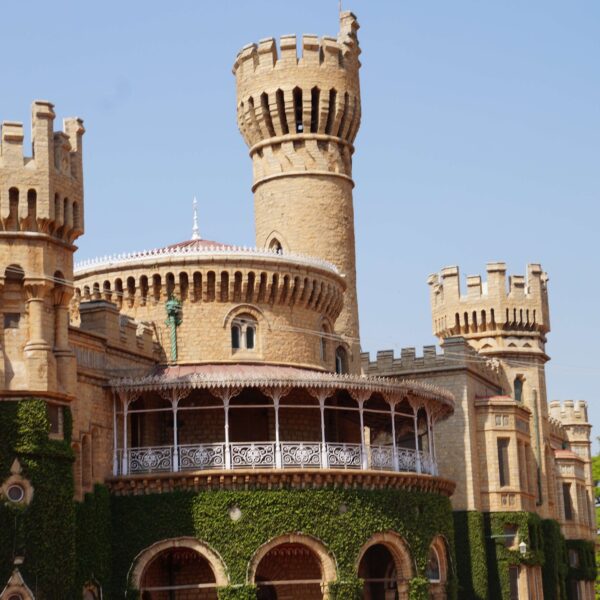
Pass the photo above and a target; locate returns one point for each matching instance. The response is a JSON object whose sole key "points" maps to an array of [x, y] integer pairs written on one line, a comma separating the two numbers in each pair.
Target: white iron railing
{"points": [[270, 455], [239, 252]]}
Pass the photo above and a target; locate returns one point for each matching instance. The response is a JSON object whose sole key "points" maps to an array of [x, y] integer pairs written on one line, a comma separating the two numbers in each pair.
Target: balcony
{"points": [[271, 455]]}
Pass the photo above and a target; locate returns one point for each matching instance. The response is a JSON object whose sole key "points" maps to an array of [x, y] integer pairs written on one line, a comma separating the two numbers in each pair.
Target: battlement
{"points": [[569, 412], [520, 308], [42, 192], [456, 354], [120, 331], [341, 52], [304, 87]]}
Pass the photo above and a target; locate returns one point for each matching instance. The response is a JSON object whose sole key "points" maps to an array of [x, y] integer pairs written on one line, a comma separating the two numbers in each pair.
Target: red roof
{"points": [[198, 245]]}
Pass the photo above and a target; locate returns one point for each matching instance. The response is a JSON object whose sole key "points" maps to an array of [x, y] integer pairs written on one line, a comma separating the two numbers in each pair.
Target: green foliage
{"points": [[418, 589], [596, 476], [587, 560], [139, 521], [237, 592], [93, 541], [500, 557], [471, 565], [351, 589], [44, 531], [554, 570]]}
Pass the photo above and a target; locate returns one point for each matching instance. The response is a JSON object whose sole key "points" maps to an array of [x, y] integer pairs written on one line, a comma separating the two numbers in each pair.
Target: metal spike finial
{"points": [[195, 228]]}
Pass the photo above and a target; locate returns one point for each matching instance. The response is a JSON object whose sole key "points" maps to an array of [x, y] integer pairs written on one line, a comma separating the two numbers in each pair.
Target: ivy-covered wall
{"points": [[43, 532], [342, 519]]}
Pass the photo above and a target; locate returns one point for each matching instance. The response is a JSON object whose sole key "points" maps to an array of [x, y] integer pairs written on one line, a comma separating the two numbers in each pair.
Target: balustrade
{"points": [[270, 455]]}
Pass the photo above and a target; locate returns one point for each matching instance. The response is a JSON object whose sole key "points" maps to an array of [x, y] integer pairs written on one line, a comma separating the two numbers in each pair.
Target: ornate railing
{"points": [[270, 455]]}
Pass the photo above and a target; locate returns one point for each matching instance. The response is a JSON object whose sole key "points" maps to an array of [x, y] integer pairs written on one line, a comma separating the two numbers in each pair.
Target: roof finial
{"points": [[195, 228]]}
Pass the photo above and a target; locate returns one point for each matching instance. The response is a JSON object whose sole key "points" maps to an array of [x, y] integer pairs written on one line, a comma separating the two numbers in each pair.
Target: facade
{"points": [[198, 422]]}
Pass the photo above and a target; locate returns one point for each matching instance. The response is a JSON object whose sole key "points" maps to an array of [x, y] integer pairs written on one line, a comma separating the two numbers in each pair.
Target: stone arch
{"points": [[325, 558], [146, 556], [277, 236], [398, 548], [249, 309], [437, 588]]}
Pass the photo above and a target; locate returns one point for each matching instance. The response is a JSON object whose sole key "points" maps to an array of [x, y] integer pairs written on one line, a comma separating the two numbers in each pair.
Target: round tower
{"points": [[299, 111], [41, 215]]}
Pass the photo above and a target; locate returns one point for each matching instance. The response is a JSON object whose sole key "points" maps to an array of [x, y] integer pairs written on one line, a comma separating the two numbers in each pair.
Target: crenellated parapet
{"points": [[492, 315], [299, 105], [573, 418], [42, 193]]}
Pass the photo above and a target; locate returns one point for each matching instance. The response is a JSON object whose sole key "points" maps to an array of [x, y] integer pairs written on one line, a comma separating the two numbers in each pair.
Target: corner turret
{"points": [[491, 316]]}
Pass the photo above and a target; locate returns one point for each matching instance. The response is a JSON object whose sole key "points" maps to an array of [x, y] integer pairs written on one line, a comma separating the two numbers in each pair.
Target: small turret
{"points": [[42, 193], [491, 316], [41, 215]]}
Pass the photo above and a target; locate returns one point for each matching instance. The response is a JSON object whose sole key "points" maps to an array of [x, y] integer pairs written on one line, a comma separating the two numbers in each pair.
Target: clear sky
{"points": [[480, 141]]}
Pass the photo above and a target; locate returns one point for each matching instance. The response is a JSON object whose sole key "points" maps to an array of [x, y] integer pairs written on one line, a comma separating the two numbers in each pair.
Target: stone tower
{"points": [[509, 323], [299, 111], [41, 215]]}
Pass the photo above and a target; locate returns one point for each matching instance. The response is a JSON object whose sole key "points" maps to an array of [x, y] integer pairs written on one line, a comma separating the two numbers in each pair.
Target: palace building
{"points": [[198, 421]]}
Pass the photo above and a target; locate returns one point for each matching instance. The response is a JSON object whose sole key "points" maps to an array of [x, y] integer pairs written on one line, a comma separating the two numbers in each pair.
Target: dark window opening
{"points": [[11, 320], [503, 464]]}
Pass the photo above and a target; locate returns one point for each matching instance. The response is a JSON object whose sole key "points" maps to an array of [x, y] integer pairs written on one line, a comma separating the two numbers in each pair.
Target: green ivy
{"points": [[43, 532], [343, 519], [351, 589], [587, 560], [470, 551], [418, 589], [237, 592], [93, 542], [555, 568]]}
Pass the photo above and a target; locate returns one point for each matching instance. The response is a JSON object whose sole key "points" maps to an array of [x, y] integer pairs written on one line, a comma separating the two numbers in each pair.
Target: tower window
{"points": [[518, 387], [243, 333], [11, 320], [341, 361], [503, 464], [567, 501]]}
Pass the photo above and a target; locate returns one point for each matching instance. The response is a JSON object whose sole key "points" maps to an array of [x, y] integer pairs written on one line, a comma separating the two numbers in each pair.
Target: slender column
{"points": [[277, 445], [323, 442], [227, 452], [430, 442], [394, 449], [125, 468], [115, 439], [363, 447], [36, 293], [175, 404], [416, 428]]}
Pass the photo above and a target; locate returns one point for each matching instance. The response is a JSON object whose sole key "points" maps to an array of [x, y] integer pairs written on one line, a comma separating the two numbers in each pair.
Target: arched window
{"points": [[243, 333], [518, 386], [275, 246], [432, 570], [341, 360]]}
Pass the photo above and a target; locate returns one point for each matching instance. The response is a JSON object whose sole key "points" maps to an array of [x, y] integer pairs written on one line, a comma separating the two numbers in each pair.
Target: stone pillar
{"points": [[41, 366], [66, 367]]}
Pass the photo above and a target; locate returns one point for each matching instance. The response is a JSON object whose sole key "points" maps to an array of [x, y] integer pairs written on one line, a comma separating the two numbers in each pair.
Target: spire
{"points": [[195, 229]]}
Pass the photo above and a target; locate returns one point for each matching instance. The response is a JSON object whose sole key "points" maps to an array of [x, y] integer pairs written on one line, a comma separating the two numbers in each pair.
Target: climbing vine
{"points": [[342, 519]]}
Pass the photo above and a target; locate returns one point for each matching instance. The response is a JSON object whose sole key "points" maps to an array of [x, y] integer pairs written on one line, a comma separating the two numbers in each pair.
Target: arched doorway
{"points": [[292, 567], [378, 571], [178, 569], [386, 567]]}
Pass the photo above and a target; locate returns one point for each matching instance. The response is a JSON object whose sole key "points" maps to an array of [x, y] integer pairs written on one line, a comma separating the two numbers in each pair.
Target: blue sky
{"points": [[479, 141]]}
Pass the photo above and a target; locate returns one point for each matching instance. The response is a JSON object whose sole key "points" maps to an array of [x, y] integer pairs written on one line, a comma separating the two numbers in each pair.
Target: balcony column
{"points": [[276, 394], [417, 453], [174, 405], [394, 449], [125, 460], [115, 439], [433, 450], [227, 453], [429, 442]]}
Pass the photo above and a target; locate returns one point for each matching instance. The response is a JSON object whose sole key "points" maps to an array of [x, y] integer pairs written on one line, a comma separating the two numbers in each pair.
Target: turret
{"points": [[491, 316], [299, 112], [41, 215]]}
